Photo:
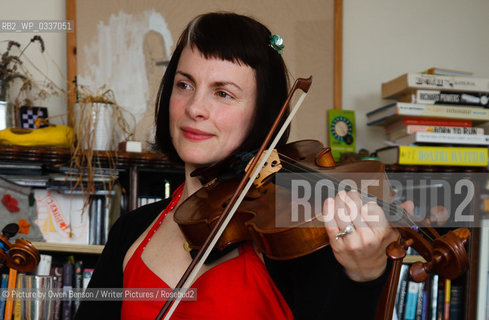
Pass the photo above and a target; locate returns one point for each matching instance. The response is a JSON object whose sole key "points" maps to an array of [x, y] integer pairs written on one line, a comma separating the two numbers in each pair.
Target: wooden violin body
{"points": [[265, 214]]}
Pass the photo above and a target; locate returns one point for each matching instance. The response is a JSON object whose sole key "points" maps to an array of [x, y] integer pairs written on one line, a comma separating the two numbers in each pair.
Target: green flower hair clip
{"points": [[277, 43]]}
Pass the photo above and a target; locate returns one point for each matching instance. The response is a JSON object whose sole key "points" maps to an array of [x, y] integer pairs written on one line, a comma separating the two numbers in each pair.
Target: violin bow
{"points": [[257, 163]]}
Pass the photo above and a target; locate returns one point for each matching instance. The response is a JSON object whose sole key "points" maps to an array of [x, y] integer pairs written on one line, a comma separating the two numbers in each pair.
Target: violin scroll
{"points": [[446, 255], [449, 258], [21, 255]]}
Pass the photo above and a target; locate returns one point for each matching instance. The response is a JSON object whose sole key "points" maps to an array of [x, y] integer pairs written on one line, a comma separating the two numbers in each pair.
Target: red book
{"points": [[429, 122]]}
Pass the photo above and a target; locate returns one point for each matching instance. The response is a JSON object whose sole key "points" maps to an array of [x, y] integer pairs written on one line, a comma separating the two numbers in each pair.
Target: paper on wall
{"points": [[61, 217]]}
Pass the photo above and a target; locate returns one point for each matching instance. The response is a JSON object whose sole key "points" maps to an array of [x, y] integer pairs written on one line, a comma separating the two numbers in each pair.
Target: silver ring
{"points": [[348, 229]]}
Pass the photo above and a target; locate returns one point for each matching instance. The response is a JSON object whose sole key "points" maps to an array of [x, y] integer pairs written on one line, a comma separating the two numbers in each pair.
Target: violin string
{"points": [[392, 208]]}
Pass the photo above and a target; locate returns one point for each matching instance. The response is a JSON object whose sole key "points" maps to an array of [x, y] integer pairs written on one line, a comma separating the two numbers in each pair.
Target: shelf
{"points": [[68, 247], [58, 156]]}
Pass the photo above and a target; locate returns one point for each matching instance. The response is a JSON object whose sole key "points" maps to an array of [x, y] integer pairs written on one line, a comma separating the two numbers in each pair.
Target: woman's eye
{"points": [[223, 94], [183, 86]]}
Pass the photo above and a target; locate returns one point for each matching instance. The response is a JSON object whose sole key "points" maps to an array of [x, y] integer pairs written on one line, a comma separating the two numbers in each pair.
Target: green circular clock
{"points": [[342, 129]]}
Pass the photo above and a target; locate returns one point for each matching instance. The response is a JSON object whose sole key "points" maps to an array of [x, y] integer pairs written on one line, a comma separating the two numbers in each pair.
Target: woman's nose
{"points": [[197, 108]]}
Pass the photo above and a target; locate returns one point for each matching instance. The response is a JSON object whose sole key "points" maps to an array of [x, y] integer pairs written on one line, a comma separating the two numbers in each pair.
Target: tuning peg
{"points": [[10, 230], [419, 271]]}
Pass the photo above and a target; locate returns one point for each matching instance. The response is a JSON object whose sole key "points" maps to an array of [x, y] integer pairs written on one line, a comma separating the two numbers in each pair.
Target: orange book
{"points": [[430, 122], [9, 304], [448, 72]]}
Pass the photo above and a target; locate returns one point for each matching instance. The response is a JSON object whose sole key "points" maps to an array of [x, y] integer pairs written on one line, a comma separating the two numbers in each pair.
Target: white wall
{"points": [[383, 39], [55, 47]]}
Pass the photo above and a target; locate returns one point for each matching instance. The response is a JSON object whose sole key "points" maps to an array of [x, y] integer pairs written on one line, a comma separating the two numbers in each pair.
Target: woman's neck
{"points": [[192, 184]]}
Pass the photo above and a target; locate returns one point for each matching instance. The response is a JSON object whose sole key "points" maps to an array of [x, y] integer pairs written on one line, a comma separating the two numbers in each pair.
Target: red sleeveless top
{"points": [[239, 288]]}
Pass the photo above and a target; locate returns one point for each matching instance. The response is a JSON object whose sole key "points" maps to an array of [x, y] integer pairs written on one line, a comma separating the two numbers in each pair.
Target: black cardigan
{"points": [[314, 286]]}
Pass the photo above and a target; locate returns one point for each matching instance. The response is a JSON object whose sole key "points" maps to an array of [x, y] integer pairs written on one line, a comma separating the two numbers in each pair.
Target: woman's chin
{"points": [[197, 160]]}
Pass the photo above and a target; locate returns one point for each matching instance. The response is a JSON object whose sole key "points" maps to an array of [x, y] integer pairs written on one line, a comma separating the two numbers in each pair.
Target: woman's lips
{"points": [[195, 134]]}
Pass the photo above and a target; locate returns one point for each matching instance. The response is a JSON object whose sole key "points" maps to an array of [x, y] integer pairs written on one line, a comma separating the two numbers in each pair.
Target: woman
{"points": [[221, 91]]}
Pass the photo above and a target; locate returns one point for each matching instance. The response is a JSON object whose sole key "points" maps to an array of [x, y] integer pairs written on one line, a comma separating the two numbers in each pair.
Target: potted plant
{"points": [[99, 125]]}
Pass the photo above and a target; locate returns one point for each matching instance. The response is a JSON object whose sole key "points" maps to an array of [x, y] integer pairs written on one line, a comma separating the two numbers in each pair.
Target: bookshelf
{"points": [[132, 168], [68, 247], [470, 279], [139, 175]]}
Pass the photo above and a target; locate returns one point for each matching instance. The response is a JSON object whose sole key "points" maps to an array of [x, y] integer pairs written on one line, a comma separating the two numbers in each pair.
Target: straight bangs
{"points": [[224, 37]]}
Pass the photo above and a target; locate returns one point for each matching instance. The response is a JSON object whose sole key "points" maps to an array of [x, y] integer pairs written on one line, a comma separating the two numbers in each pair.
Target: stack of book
{"points": [[435, 298], [436, 119]]}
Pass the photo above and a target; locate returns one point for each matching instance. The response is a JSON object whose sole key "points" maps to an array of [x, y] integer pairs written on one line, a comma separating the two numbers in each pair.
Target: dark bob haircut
{"points": [[238, 39]]}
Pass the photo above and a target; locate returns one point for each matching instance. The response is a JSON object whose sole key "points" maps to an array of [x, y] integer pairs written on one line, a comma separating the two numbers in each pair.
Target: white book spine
{"points": [[447, 111], [444, 138], [444, 130], [434, 296], [449, 83]]}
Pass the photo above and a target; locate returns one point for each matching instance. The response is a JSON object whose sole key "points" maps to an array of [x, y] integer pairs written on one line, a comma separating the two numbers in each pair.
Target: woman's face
{"points": [[211, 107]]}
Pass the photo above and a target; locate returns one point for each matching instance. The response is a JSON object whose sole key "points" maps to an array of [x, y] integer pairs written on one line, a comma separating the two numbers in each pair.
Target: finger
{"points": [[343, 205], [373, 215], [329, 207], [363, 231], [408, 206], [348, 208], [440, 215], [355, 209]]}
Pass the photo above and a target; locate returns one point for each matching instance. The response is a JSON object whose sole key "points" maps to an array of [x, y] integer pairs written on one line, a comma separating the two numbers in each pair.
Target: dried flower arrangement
{"points": [[12, 67], [92, 168], [10, 63]]}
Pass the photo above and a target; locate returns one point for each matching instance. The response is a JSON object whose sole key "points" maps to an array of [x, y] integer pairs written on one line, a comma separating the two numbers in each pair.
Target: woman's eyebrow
{"points": [[186, 75], [227, 83], [215, 84]]}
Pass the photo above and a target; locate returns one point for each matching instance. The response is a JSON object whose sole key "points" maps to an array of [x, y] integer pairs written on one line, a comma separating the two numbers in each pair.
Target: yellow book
{"points": [[433, 155], [18, 302], [446, 305]]}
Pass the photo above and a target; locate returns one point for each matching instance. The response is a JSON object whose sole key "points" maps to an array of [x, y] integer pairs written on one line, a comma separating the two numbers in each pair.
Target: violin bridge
{"points": [[271, 166]]}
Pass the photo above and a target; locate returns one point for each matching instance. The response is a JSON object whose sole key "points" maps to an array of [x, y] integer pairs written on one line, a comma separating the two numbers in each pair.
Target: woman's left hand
{"points": [[361, 252]]}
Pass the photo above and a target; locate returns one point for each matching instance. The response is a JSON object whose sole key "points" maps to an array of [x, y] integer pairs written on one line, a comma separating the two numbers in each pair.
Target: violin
{"points": [[268, 204], [258, 204]]}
